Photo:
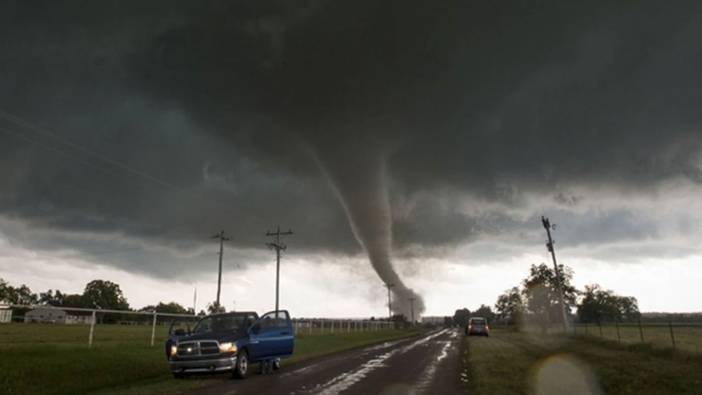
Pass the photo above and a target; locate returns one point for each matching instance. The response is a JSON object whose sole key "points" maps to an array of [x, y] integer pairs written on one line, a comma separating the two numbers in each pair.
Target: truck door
{"points": [[271, 336]]}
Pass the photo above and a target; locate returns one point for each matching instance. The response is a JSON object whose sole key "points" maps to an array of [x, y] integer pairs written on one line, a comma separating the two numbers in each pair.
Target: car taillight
{"points": [[487, 327], [469, 326]]}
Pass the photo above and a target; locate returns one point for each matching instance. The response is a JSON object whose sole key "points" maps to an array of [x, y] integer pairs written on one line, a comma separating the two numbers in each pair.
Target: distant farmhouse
{"points": [[48, 315], [433, 320], [5, 313]]}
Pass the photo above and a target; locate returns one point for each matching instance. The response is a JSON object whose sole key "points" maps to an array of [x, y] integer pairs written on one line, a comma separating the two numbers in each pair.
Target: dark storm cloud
{"points": [[237, 105]]}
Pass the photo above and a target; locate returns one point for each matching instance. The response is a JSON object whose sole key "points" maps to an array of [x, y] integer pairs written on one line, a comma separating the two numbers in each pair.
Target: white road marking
{"points": [[427, 376], [347, 379]]}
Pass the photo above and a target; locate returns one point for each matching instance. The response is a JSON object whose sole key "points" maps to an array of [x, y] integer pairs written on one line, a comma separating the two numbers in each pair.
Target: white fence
{"points": [[93, 314], [93, 318], [327, 325]]}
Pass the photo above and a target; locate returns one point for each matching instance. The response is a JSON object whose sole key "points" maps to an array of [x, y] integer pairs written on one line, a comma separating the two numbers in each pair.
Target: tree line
{"points": [[536, 299], [97, 294]]}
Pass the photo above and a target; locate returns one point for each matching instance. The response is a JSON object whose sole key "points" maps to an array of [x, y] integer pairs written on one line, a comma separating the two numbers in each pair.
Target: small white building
{"points": [[5, 314], [45, 315]]}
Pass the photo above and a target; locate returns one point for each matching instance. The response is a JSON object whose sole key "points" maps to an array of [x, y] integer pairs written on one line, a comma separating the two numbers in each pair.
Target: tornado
{"points": [[358, 174]]}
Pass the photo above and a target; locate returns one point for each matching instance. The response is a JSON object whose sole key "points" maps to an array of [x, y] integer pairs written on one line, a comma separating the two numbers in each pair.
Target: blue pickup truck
{"points": [[229, 342]]}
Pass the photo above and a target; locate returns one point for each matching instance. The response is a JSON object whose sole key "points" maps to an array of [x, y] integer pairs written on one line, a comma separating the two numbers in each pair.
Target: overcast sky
{"points": [[402, 141]]}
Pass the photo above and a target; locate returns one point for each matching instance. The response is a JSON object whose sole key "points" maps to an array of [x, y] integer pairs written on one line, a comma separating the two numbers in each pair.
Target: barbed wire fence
{"points": [[661, 333]]}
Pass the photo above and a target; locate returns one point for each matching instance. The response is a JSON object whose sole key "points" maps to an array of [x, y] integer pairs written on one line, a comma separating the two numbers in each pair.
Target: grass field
{"points": [[55, 359], [687, 337], [519, 363]]}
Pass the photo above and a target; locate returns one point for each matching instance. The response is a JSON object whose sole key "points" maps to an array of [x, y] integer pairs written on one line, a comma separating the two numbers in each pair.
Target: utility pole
{"points": [[195, 301], [389, 286], [549, 245], [278, 246], [412, 308], [222, 239]]}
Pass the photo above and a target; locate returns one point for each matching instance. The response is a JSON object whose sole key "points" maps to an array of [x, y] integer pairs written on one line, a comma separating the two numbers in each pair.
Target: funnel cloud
{"points": [[402, 130], [359, 179]]}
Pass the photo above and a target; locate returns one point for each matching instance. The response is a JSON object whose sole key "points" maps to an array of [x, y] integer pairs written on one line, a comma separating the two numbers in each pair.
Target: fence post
{"points": [[153, 329], [619, 337], [641, 331], [672, 335], [92, 327]]}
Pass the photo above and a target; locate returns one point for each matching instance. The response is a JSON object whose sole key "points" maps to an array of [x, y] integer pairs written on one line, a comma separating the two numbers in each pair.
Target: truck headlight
{"points": [[227, 347], [174, 350]]}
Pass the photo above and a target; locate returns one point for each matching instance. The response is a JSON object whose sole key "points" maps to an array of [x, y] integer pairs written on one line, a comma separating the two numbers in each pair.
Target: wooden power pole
{"points": [[559, 287], [222, 239], [278, 246]]}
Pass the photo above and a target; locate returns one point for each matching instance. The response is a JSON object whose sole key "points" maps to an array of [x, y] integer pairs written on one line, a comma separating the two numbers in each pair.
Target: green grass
{"points": [[55, 359], [520, 363]]}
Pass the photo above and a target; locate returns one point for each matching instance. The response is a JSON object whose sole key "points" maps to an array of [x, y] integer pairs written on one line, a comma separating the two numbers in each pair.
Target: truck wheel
{"points": [[276, 364], [242, 365]]}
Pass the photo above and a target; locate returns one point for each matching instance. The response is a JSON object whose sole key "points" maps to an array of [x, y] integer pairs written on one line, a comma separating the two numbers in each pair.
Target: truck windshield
{"points": [[223, 323]]}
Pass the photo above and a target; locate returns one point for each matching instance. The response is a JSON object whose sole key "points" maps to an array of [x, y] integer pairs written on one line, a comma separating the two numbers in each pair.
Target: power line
{"points": [[54, 142], [102, 159], [68, 143], [278, 246]]}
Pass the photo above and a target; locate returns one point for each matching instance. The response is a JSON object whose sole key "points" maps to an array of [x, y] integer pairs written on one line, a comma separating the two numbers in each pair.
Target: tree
{"points": [[399, 318], [214, 308], [170, 308], [103, 294], [629, 308], [461, 316], [4, 291], [17, 295], [51, 298], [509, 306], [485, 312], [73, 300], [541, 295], [598, 305], [448, 321]]}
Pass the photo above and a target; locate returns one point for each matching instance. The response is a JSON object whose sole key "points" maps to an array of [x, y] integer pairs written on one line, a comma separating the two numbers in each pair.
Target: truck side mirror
{"points": [[255, 328], [179, 332]]}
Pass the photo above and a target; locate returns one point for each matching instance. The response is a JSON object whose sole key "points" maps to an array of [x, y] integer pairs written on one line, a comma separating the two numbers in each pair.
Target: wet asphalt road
{"points": [[427, 364]]}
